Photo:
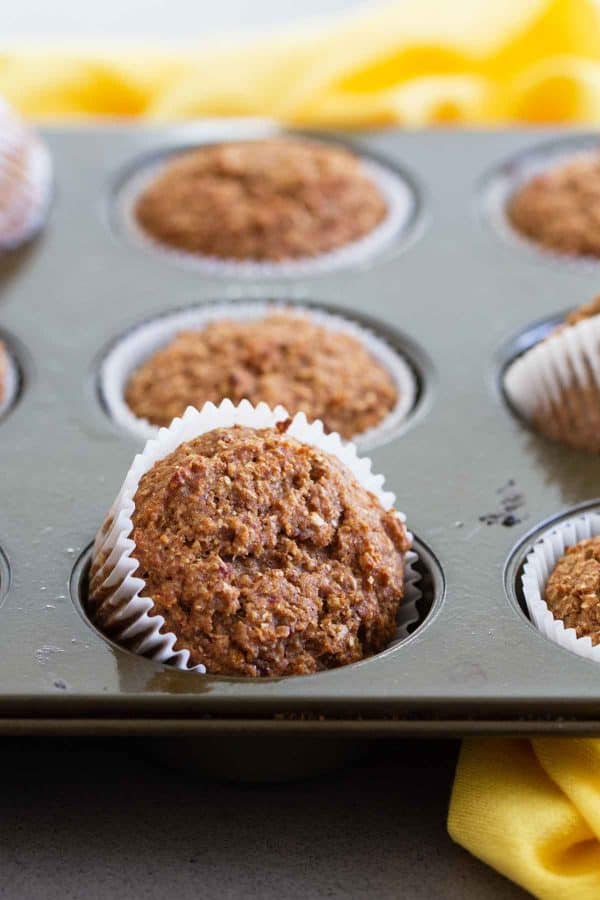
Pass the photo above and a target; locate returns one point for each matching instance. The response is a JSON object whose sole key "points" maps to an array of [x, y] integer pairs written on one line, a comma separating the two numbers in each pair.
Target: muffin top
{"points": [[266, 556], [560, 208], [282, 358], [274, 199], [573, 589]]}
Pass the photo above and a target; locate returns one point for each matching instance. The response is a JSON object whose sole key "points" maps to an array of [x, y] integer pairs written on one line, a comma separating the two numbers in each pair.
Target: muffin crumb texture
{"points": [[573, 589], [266, 200], [282, 358], [560, 208], [266, 556]]}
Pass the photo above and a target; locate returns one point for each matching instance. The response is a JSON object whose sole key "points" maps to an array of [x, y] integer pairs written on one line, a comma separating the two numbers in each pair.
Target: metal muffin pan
{"points": [[474, 481]]}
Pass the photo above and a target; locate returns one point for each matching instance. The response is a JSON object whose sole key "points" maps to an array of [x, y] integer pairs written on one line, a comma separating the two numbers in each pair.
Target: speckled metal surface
{"points": [[452, 296]]}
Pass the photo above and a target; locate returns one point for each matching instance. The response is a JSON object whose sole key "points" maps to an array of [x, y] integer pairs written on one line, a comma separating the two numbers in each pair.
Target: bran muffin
{"points": [[265, 555], [560, 208], [572, 592], [266, 200], [572, 415], [282, 358]]}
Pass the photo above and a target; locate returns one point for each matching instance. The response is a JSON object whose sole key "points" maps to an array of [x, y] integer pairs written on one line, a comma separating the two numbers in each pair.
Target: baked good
{"points": [[267, 200], [265, 555], [572, 592], [560, 208], [555, 384], [283, 358]]}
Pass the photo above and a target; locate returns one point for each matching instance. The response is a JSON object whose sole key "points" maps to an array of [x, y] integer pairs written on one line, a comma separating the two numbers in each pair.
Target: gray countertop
{"points": [[99, 819]]}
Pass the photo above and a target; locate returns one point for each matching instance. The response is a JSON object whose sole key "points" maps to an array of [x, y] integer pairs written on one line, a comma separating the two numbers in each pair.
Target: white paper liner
{"points": [[516, 173], [11, 380], [114, 564], [27, 212], [538, 567], [140, 343], [396, 191], [566, 359]]}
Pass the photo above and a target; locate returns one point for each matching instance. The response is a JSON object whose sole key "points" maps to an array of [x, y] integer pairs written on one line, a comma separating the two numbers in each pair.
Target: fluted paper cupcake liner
{"points": [[396, 191], [24, 163], [538, 567], [142, 342], [126, 615], [568, 359]]}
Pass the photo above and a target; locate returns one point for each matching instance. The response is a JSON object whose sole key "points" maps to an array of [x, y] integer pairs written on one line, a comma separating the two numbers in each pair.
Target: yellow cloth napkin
{"points": [[413, 62], [531, 809]]}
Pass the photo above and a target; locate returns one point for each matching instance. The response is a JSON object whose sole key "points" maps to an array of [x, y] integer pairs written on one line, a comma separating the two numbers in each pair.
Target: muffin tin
{"points": [[454, 298]]}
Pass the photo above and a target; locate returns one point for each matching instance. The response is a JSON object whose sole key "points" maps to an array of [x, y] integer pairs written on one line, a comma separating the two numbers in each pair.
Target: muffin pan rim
{"points": [[21, 369]]}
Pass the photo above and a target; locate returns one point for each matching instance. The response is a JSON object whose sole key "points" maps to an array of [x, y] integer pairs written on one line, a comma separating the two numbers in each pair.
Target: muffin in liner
{"points": [[398, 194], [141, 342], [555, 385], [9, 379], [507, 181], [539, 564], [25, 180], [127, 617]]}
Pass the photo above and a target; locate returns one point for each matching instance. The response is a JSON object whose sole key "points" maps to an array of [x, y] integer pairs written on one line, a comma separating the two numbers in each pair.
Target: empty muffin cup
{"points": [[117, 601], [274, 205], [141, 343], [579, 592]]}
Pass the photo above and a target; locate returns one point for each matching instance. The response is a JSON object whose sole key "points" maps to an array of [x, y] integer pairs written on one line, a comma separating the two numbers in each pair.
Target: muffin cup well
{"points": [[397, 192], [538, 567], [554, 384], [11, 382], [126, 615], [130, 352]]}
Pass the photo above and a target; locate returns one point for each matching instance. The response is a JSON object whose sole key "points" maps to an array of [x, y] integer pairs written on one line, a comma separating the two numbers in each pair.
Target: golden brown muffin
{"points": [[282, 358], [573, 589], [560, 208], [274, 199], [266, 556]]}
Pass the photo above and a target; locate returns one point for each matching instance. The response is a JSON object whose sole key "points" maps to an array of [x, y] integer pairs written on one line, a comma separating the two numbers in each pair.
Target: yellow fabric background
{"points": [[531, 809], [414, 62]]}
